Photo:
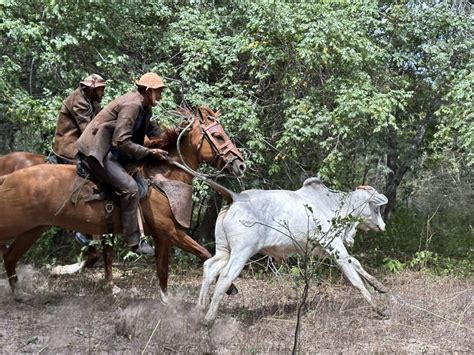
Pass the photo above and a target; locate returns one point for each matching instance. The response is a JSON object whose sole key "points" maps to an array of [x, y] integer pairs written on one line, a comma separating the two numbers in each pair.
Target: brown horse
{"points": [[33, 199], [20, 160]]}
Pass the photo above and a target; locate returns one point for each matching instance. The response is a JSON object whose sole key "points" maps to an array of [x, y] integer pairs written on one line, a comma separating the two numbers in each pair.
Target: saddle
{"points": [[179, 194]]}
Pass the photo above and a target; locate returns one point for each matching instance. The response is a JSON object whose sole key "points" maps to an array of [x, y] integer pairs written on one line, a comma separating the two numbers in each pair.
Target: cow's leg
{"points": [[345, 263], [230, 272], [212, 268], [187, 243], [370, 279], [17, 249]]}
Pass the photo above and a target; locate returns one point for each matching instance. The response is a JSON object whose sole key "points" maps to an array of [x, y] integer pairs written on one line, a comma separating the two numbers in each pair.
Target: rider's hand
{"points": [[159, 153]]}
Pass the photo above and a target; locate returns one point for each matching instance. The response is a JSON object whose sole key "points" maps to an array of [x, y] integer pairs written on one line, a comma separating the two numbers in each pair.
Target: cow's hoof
{"points": [[381, 288], [383, 312], [115, 290], [232, 290], [208, 322]]}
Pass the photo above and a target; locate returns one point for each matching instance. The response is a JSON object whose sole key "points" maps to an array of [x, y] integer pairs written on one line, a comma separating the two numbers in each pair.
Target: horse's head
{"points": [[213, 144]]}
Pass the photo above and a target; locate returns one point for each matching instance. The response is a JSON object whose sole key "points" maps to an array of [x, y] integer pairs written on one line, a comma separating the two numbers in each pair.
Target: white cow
{"points": [[280, 222]]}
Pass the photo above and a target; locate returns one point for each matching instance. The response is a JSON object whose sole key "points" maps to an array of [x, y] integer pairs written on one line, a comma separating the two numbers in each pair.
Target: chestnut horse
{"points": [[33, 199], [20, 160]]}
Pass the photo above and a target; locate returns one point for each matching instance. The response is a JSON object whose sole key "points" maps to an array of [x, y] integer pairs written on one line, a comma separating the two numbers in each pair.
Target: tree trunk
{"points": [[398, 166], [208, 222]]}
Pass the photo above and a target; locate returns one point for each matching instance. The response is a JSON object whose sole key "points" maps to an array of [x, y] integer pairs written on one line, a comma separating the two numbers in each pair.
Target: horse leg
{"points": [[188, 244], [108, 253], [162, 256], [16, 250], [3, 249], [92, 254]]}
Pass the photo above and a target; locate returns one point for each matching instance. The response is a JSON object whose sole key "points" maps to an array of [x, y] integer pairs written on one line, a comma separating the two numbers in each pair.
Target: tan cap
{"points": [[93, 81], [150, 81]]}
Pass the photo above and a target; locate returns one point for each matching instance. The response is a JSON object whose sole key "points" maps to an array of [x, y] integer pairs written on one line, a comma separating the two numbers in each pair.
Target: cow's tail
{"points": [[227, 194]]}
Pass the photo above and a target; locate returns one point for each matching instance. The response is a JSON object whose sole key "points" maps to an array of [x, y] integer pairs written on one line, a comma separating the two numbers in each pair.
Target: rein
{"points": [[225, 192]]}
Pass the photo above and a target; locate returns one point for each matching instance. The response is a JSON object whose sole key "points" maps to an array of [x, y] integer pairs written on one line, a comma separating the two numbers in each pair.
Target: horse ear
{"points": [[379, 199], [218, 112], [199, 113]]}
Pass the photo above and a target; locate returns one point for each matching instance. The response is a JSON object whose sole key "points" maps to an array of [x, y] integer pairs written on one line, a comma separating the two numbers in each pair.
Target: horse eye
{"points": [[218, 136]]}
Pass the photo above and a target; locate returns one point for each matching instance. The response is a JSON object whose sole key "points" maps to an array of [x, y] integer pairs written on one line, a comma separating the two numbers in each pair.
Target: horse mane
{"points": [[169, 136], [166, 139]]}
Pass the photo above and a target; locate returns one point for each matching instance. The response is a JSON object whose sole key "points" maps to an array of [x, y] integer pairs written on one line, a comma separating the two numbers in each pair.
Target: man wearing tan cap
{"points": [[114, 139], [77, 111]]}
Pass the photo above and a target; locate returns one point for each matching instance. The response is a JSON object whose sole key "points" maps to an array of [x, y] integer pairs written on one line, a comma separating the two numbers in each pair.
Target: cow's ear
{"points": [[379, 199]]}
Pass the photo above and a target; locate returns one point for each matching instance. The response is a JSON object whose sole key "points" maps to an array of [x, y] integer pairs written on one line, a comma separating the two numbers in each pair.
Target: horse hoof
{"points": [[164, 298], [22, 297]]}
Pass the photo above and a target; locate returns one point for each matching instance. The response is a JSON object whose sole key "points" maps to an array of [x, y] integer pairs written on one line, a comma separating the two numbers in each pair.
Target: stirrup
{"points": [[143, 248]]}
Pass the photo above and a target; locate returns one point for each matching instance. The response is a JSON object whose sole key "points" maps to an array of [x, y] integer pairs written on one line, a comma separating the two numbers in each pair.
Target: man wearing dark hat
{"points": [[114, 139], [77, 111]]}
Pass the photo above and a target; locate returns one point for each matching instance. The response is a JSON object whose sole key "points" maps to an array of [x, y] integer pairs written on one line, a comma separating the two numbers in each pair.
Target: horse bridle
{"points": [[220, 150]]}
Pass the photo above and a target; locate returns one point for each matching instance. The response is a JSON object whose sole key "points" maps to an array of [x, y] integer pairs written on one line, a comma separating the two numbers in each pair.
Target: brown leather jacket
{"points": [[75, 114], [121, 125]]}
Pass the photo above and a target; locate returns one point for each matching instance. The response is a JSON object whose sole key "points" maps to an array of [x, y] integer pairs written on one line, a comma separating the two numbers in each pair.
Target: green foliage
{"points": [[310, 86], [393, 265], [54, 247], [431, 262], [365, 92]]}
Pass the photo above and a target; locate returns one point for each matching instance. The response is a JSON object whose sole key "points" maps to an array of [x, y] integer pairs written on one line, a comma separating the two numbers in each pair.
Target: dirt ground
{"points": [[77, 314]]}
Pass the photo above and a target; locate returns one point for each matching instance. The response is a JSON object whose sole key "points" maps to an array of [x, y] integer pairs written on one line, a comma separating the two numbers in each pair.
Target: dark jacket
{"points": [[121, 126], [77, 111]]}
